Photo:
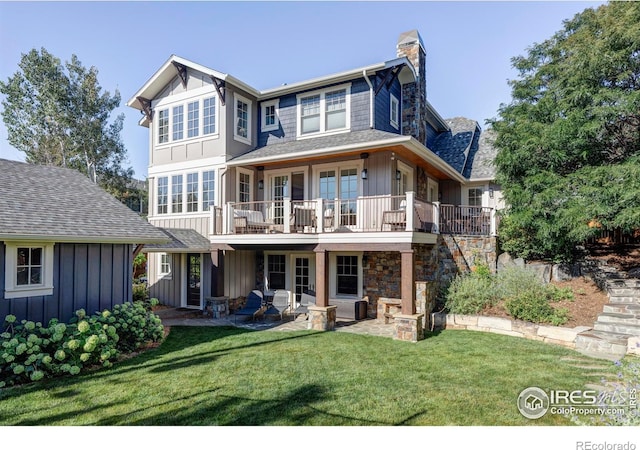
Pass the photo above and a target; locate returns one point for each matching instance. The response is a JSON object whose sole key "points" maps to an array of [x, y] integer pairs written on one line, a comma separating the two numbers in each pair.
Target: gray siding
{"points": [[167, 290], [235, 148], [288, 114], [382, 109], [239, 273], [200, 224], [88, 276]]}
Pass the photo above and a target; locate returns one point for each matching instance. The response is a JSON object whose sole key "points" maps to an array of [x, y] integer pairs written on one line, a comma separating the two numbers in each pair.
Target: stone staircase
{"points": [[620, 318]]}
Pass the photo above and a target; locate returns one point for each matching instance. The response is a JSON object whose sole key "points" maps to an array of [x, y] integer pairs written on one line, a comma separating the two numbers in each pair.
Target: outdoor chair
{"points": [[251, 307], [279, 304], [307, 299]]}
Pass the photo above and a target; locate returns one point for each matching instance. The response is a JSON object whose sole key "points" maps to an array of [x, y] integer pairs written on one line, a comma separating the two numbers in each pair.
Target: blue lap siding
{"points": [[93, 277]]}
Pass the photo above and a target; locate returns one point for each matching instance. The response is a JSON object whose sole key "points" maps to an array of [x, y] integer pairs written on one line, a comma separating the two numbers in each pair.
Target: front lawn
{"points": [[230, 376]]}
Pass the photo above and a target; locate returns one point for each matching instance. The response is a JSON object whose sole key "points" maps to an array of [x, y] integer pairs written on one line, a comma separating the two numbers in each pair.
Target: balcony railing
{"points": [[384, 213]]}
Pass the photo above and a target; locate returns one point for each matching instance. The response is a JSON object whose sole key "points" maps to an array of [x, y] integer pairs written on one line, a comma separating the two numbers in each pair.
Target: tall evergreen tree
{"points": [[569, 141]]}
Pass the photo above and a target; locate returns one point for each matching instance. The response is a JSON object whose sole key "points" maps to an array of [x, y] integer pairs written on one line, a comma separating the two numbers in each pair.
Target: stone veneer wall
{"points": [[381, 277], [459, 254]]}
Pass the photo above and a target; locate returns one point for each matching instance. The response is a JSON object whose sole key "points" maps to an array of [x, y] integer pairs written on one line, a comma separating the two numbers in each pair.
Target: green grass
{"points": [[230, 376]]}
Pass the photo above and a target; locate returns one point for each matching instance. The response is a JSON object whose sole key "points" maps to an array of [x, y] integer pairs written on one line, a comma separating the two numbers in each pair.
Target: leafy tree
{"points": [[58, 115], [569, 141]]}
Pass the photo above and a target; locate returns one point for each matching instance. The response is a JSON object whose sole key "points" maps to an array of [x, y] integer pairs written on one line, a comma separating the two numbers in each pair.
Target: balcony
{"points": [[375, 214]]}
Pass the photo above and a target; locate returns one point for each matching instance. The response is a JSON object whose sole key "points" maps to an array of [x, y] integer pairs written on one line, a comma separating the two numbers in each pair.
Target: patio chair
{"points": [[251, 307], [307, 299], [279, 304]]}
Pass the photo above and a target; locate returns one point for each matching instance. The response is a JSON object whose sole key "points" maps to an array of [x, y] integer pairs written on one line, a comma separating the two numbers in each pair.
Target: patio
{"points": [[176, 317]]}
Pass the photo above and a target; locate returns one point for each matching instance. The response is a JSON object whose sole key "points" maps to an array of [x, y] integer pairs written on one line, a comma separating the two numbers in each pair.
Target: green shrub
{"points": [[140, 292], [533, 307], [470, 294], [30, 351]]}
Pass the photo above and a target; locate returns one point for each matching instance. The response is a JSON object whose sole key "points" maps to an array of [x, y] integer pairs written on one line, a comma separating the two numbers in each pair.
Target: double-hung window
{"points": [[244, 187], [164, 265], [208, 189], [163, 193], [270, 116], [193, 124], [176, 194], [242, 119], [192, 192], [163, 126], [209, 115], [178, 122], [324, 111], [276, 271], [394, 111], [346, 275], [28, 270], [475, 197]]}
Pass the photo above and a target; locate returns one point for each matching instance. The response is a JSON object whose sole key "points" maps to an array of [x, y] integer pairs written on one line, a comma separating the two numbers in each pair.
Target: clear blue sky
{"points": [[469, 45]]}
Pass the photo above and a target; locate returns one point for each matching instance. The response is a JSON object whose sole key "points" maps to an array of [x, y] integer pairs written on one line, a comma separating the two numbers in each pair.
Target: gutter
{"points": [[371, 110], [80, 239]]}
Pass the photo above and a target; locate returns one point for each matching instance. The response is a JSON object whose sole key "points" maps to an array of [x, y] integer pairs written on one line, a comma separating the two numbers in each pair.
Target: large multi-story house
{"points": [[349, 185]]}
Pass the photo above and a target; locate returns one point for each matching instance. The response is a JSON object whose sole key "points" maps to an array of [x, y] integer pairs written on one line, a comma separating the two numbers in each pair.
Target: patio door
{"points": [[193, 280], [303, 275]]}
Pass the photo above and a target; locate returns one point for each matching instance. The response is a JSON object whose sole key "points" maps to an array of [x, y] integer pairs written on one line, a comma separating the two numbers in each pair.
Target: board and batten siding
{"points": [[239, 273], [200, 224], [92, 277], [167, 289]]}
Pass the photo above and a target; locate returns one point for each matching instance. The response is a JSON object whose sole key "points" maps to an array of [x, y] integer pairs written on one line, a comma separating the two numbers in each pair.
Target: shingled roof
{"points": [[467, 148], [62, 205], [182, 240]]}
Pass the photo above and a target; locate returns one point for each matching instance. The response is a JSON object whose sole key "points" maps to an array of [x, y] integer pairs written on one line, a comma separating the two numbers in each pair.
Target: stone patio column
{"points": [[322, 318]]}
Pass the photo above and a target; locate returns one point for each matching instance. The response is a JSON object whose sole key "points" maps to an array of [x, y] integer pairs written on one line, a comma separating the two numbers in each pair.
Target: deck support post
{"points": [[407, 282]]}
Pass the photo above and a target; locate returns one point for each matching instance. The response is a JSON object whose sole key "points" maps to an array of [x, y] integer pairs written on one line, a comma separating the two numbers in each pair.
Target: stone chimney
{"points": [[414, 95]]}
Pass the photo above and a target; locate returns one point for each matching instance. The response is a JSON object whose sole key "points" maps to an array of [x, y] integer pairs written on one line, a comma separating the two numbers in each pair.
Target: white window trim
{"points": [[484, 197], [338, 167], [184, 100], [333, 274], [270, 174], [200, 211], [394, 121], [11, 288], [240, 170], [263, 109], [164, 275], [408, 170], [323, 125], [249, 103]]}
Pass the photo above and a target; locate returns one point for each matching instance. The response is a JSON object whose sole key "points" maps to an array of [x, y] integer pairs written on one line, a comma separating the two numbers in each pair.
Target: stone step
{"points": [[596, 343], [622, 308], [618, 328], [623, 291], [624, 299], [618, 318]]}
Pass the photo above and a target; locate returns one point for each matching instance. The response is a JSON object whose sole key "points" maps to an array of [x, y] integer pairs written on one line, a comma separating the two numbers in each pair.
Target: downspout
{"points": [[364, 74]]}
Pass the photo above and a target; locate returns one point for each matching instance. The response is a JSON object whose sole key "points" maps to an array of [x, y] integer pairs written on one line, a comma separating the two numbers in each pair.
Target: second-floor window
{"points": [[188, 192], [475, 197], [163, 192], [324, 111], [244, 187], [193, 110], [192, 192], [178, 122], [208, 189], [163, 126], [176, 194]]}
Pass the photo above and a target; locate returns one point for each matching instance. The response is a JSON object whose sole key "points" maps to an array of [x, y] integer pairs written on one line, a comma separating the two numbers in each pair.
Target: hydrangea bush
{"points": [[30, 351]]}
